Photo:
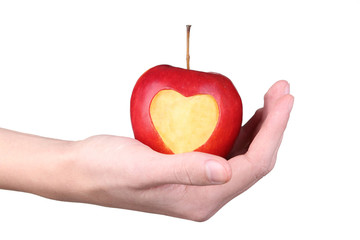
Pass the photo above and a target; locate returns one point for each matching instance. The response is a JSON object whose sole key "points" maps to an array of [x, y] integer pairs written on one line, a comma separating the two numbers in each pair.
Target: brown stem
{"points": [[187, 46]]}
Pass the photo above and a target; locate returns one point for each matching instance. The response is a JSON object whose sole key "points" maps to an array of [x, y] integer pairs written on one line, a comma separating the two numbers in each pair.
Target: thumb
{"points": [[192, 168]]}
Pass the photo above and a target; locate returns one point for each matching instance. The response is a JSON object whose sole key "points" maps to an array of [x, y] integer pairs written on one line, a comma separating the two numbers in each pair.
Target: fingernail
{"points": [[215, 172], [287, 89]]}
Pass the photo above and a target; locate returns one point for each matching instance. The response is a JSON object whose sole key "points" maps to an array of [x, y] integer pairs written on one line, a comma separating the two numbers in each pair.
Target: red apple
{"points": [[175, 110]]}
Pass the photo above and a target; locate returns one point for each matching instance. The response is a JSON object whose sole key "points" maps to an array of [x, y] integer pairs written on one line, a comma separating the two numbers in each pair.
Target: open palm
{"points": [[122, 172]]}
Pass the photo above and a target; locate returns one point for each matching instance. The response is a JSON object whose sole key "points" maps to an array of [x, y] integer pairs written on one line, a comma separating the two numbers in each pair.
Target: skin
{"points": [[123, 173]]}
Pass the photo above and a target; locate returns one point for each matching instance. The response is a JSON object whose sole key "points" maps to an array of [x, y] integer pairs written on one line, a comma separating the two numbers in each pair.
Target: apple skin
{"points": [[188, 83]]}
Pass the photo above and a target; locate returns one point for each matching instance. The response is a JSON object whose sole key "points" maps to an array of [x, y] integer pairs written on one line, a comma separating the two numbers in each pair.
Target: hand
{"points": [[123, 173]]}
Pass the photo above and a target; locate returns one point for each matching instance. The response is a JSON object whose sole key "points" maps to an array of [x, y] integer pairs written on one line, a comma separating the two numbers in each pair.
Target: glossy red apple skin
{"points": [[188, 83]]}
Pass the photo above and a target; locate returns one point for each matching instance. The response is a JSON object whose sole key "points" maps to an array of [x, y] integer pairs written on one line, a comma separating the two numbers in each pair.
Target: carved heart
{"points": [[184, 123]]}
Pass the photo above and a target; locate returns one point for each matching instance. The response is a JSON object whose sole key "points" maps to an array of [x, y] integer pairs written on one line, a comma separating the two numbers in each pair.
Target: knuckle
{"points": [[269, 95], [261, 167], [265, 169], [201, 214], [201, 211], [182, 173], [200, 217]]}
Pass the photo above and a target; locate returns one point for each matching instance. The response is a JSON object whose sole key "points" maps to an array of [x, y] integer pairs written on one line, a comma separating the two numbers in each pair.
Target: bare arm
{"points": [[31, 163], [123, 173]]}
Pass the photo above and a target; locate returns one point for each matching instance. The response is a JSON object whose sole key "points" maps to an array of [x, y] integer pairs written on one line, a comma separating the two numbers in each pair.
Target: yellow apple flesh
{"points": [[184, 123]]}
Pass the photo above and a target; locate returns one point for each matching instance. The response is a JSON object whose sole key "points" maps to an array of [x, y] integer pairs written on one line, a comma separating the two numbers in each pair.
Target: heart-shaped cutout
{"points": [[184, 123]]}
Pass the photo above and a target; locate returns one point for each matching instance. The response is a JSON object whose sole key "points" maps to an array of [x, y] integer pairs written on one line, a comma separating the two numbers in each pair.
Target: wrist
{"points": [[58, 178]]}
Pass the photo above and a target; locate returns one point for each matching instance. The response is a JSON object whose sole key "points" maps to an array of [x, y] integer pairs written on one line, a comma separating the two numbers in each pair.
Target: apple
{"points": [[175, 110]]}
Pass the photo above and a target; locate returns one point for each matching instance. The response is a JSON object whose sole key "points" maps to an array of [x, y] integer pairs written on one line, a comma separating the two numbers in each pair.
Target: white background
{"points": [[67, 69]]}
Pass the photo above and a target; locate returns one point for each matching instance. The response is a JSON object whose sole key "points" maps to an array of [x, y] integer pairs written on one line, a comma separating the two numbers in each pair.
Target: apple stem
{"points": [[187, 46]]}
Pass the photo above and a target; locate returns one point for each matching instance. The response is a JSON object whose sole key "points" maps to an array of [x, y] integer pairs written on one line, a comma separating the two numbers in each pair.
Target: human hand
{"points": [[123, 173]]}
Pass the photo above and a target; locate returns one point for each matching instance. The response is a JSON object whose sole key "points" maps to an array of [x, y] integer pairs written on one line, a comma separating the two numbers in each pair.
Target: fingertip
{"points": [[228, 169], [217, 172], [280, 88], [283, 85], [291, 102], [280, 110], [197, 168], [286, 102]]}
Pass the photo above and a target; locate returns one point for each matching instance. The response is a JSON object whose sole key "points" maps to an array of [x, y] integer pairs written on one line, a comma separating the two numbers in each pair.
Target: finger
{"points": [[249, 168], [193, 168], [276, 91], [251, 128], [268, 139]]}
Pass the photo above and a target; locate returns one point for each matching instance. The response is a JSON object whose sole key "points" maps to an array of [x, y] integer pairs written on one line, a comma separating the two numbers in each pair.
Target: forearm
{"points": [[32, 164]]}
